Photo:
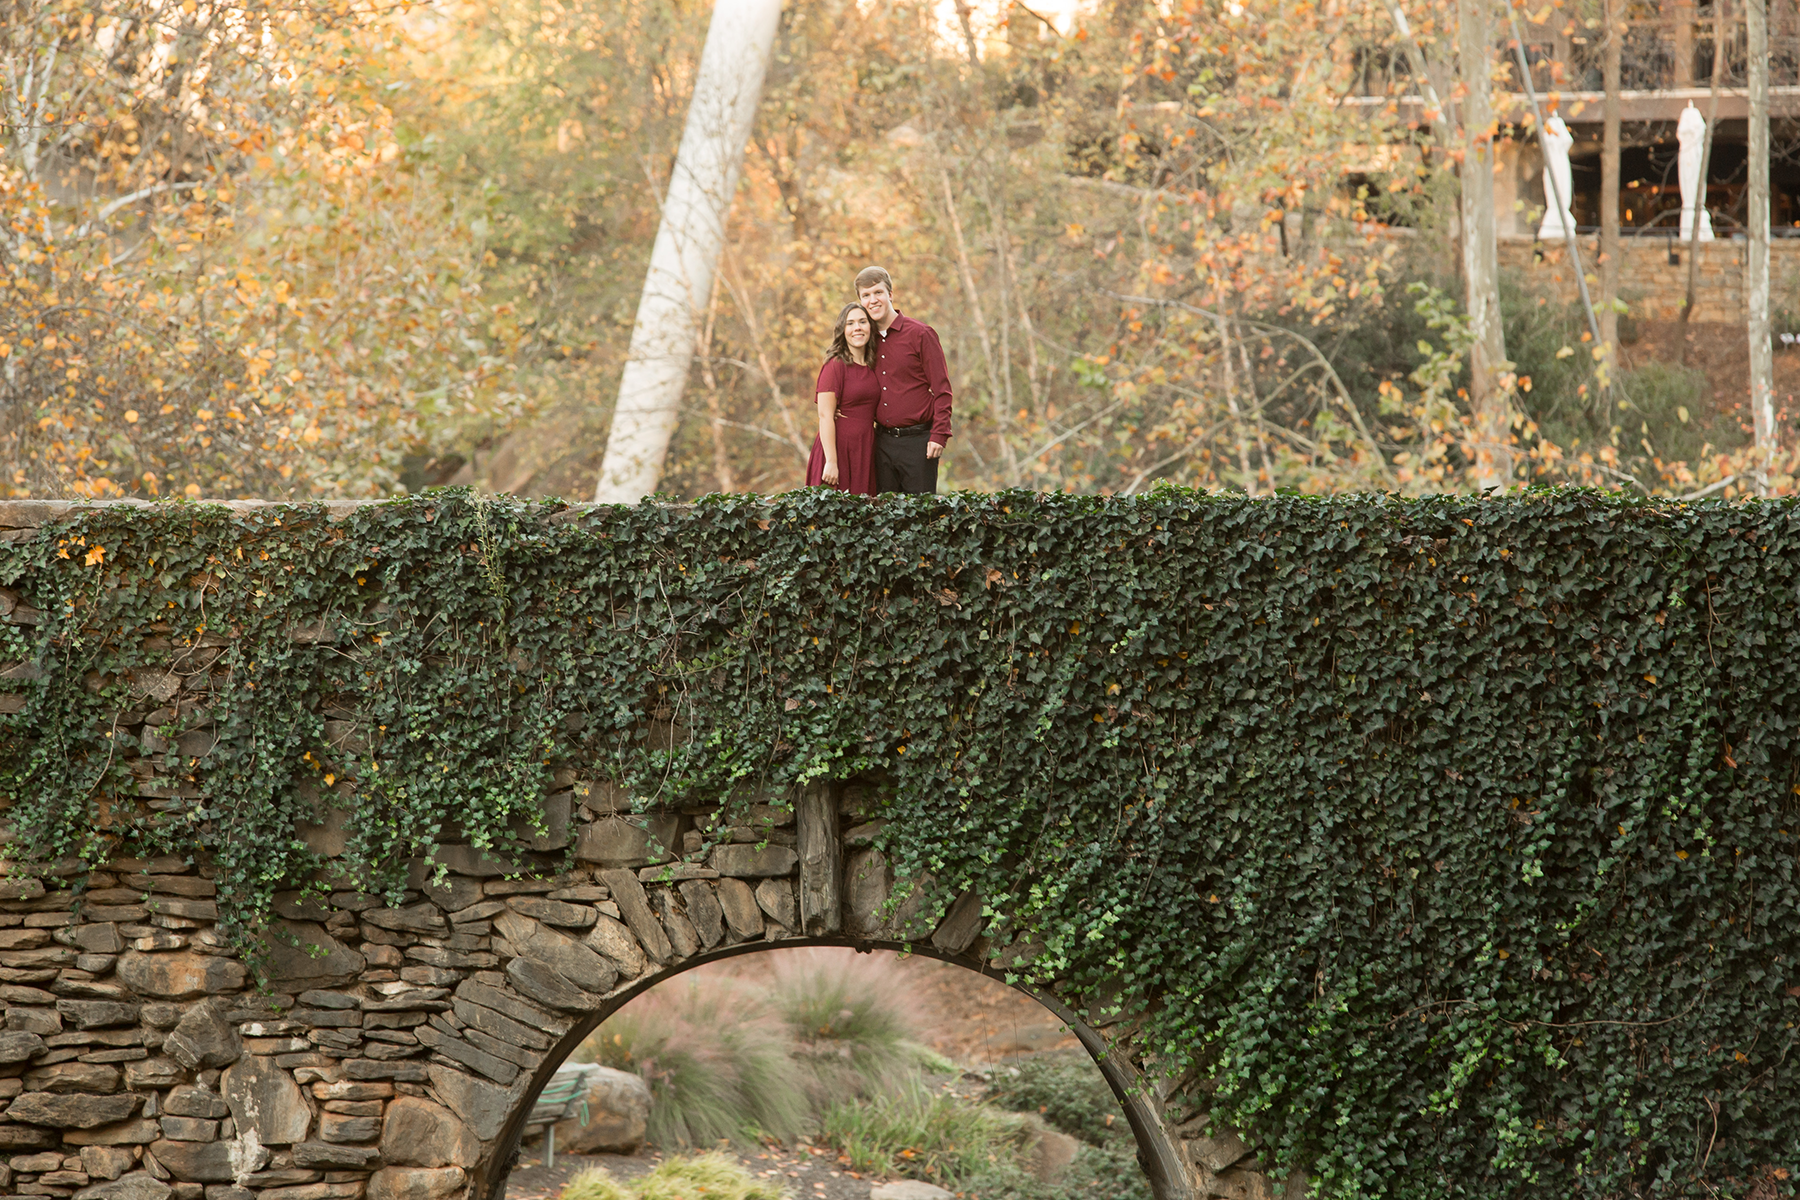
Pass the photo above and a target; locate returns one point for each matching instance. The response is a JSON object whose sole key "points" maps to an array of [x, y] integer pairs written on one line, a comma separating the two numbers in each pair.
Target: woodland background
{"points": [[276, 249]]}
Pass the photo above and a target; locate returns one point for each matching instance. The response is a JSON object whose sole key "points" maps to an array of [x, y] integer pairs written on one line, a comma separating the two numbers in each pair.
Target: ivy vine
{"points": [[1455, 844]]}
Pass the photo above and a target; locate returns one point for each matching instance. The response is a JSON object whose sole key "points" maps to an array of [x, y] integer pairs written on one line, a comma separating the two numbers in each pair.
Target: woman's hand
{"points": [[829, 474]]}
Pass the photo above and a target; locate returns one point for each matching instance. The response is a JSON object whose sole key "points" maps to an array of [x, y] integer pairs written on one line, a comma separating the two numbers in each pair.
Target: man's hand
{"points": [[934, 450]]}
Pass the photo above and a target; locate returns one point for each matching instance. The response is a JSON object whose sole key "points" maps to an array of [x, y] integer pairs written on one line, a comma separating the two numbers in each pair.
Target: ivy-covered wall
{"points": [[1444, 848]]}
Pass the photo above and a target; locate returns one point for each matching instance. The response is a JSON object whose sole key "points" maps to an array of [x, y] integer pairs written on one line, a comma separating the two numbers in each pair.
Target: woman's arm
{"points": [[828, 436]]}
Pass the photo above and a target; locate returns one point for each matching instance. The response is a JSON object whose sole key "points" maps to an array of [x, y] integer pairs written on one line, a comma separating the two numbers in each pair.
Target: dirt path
{"points": [[807, 1171]]}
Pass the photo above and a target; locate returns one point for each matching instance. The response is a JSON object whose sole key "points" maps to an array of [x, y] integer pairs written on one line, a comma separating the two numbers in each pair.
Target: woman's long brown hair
{"points": [[840, 348]]}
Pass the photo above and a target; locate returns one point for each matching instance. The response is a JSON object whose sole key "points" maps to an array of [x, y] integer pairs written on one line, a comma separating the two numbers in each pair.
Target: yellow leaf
{"points": [[131, 416], [96, 554], [330, 779]]}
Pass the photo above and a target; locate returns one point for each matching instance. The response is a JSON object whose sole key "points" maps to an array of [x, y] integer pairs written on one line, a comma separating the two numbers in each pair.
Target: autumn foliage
{"points": [[288, 249]]}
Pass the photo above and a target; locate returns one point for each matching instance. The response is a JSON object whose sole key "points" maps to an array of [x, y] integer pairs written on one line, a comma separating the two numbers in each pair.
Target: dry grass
{"points": [[714, 1176], [762, 1046], [852, 1038], [720, 1065]]}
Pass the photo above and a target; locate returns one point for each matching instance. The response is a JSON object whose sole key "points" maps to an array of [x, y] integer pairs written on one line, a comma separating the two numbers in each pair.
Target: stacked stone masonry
{"points": [[1653, 274], [391, 1051]]}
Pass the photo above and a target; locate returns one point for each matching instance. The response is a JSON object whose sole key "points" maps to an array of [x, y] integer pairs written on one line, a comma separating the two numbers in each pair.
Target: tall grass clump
{"points": [[595, 1183], [713, 1176], [719, 1064], [927, 1135], [736, 1053], [851, 1036]]}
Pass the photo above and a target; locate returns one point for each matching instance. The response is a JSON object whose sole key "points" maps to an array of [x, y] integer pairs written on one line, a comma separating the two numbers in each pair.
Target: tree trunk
{"points": [[1614, 20], [1712, 121], [1756, 283], [1490, 401], [685, 257]]}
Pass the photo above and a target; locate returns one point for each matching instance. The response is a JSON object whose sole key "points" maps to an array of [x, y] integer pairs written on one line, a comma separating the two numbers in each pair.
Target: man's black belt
{"points": [[904, 430]]}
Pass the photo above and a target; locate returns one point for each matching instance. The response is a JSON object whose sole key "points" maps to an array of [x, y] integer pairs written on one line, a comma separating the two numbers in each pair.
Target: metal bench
{"points": [[565, 1096]]}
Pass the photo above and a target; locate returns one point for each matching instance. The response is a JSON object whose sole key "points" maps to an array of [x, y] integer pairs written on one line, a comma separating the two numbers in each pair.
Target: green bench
{"points": [[565, 1096]]}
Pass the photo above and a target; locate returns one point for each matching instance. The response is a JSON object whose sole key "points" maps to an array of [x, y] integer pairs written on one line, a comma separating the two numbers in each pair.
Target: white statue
{"points": [[1691, 132], [1556, 142]]}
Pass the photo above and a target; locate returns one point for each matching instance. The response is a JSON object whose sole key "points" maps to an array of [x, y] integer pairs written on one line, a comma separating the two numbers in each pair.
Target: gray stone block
{"points": [[743, 916], [753, 862], [419, 1133], [264, 1099], [482, 1106], [611, 938], [71, 1111]]}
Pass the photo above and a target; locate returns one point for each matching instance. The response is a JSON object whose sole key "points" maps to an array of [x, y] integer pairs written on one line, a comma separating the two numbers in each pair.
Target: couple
{"points": [[884, 398]]}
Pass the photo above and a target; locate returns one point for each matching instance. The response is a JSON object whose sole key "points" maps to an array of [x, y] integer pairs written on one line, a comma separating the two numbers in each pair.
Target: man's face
{"points": [[878, 301]]}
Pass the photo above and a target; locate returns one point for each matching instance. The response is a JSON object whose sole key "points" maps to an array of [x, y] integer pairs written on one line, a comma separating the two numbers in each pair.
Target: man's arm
{"points": [[937, 378]]}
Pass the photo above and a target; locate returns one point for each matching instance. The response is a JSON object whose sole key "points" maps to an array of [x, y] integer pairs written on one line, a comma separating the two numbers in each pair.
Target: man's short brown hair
{"points": [[868, 277]]}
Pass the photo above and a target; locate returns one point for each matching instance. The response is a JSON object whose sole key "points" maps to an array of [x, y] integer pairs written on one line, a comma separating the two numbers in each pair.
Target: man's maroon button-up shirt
{"points": [[915, 384]]}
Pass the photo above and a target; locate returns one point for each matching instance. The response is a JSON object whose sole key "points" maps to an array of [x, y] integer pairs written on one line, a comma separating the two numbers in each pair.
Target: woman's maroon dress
{"points": [[857, 393]]}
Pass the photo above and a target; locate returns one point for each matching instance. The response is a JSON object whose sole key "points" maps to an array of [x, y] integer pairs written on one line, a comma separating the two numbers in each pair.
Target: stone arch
{"points": [[1159, 1154], [389, 1053]]}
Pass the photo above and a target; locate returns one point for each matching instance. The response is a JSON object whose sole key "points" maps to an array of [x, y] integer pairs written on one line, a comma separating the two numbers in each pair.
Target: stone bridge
{"points": [[395, 1050], [1363, 784]]}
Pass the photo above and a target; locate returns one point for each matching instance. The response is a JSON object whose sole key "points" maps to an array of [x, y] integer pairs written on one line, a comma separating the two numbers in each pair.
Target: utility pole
{"points": [[678, 285], [1756, 282]]}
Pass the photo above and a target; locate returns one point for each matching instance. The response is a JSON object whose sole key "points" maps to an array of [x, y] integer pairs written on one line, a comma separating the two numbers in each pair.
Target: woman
{"points": [[843, 455]]}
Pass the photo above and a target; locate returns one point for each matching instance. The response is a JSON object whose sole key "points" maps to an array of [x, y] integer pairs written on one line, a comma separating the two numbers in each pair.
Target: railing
{"points": [[1667, 45]]}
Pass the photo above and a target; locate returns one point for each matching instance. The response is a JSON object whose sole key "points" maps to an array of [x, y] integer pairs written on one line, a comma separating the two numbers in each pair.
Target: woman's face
{"points": [[856, 328]]}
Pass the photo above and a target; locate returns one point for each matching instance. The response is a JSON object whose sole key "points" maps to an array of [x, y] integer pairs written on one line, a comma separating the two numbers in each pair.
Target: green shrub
{"points": [[1066, 1091], [1096, 1174], [1070, 1095], [1539, 327], [1662, 410], [927, 1135], [1666, 405], [717, 1061]]}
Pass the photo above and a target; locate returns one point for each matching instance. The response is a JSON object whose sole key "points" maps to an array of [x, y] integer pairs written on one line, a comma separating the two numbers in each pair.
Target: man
{"points": [[912, 419]]}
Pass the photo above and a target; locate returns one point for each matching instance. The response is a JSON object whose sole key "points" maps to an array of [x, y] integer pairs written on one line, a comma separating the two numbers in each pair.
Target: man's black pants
{"points": [[900, 462]]}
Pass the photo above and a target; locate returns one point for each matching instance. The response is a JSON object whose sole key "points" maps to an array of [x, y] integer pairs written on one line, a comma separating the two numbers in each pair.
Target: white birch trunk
{"points": [[679, 282], [1490, 402], [1756, 283]]}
